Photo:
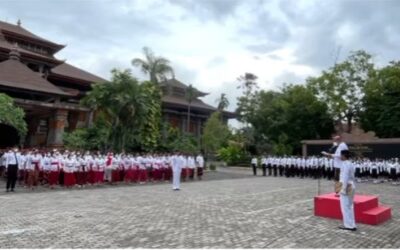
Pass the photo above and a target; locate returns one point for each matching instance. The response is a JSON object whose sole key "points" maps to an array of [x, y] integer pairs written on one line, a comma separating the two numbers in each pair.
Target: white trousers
{"points": [[347, 207], [176, 178]]}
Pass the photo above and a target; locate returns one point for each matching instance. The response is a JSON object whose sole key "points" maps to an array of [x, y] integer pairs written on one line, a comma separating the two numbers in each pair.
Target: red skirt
{"points": [[115, 175], [184, 173], [167, 173], [128, 175], [157, 174], [69, 179], [135, 174], [80, 178], [99, 176], [53, 177], [199, 171], [143, 175], [91, 177], [191, 172]]}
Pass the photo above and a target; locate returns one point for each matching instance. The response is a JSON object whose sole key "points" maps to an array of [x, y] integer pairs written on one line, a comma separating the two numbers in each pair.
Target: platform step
{"points": [[366, 208], [376, 215]]}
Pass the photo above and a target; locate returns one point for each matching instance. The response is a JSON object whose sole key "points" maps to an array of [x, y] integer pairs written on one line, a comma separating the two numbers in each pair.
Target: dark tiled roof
{"points": [[69, 71], [15, 74], [8, 47], [19, 30], [178, 84], [196, 103]]}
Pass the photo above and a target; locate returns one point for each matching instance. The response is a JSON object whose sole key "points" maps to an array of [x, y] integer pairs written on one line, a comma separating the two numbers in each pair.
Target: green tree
{"points": [[190, 95], [132, 109], [342, 86], [215, 135], [247, 102], [382, 102], [285, 118], [156, 67], [11, 115], [222, 102]]}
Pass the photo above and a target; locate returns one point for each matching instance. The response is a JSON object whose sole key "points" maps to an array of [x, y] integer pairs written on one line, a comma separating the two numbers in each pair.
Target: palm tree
{"points": [[223, 102], [191, 94], [156, 67]]}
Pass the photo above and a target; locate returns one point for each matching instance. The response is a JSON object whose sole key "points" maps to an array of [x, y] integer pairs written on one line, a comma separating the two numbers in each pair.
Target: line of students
{"points": [[69, 169], [322, 167]]}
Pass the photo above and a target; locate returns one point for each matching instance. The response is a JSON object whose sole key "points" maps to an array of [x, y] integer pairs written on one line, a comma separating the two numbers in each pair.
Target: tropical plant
{"points": [[222, 102], [215, 135], [132, 109], [11, 115], [190, 95], [156, 67]]}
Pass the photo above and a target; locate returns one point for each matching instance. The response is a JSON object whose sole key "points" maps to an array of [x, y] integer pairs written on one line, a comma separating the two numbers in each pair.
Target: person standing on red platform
{"points": [[346, 191], [337, 162]]}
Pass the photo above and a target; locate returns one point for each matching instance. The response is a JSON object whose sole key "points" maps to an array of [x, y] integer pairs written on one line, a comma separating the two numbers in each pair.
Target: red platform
{"points": [[366, 207]]}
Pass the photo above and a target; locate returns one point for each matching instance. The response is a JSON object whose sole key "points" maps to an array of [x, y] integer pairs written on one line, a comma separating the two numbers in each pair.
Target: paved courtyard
{"points": [[231, 212]]}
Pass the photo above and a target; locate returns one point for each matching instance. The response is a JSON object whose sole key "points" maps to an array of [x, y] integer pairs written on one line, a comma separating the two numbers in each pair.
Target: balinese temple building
{"points": [[49, 91], [175, 108]]}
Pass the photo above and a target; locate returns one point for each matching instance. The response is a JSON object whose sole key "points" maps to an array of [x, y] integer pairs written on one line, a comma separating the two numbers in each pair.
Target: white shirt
{"points": [[336, 156], [346, 175]]}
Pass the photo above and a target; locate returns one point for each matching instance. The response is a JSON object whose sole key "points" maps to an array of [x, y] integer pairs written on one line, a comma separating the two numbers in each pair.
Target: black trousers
{"points": [[275, 170], [393, 175], [269, 169], [264, 170], [12, 175], [254, 169], [281, 168]]}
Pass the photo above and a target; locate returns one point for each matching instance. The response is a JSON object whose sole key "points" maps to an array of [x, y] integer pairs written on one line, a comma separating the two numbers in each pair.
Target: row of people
{"points": [[34, 168], [317, 167]]}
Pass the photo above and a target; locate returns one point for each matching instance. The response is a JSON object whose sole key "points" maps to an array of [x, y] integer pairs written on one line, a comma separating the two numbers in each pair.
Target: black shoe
{"points": [[12, 190], [346, 228]]}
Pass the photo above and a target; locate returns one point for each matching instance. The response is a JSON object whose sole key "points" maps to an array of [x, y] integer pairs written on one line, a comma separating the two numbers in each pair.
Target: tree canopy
{"points": [[156, 67], [12, 115], [342, 86], [132, 111]]}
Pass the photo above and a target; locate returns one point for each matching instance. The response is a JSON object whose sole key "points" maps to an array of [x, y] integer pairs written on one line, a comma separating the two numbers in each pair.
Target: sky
{"points": [[210, 43]]}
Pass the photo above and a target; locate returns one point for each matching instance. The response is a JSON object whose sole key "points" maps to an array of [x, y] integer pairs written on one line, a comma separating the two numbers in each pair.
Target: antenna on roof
{"points": [[19, 22]]}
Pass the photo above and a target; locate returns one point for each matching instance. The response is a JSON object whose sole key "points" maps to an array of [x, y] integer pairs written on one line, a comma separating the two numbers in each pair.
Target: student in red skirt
{"points": [[90, 173], [70, 167], [128, 169], [54, 169], [191, 167], [135, 170], [108, 168], [156, 169], [99, 166], [142, 171], [185, 171], [200, 166], [115, 169], [46, 163]]}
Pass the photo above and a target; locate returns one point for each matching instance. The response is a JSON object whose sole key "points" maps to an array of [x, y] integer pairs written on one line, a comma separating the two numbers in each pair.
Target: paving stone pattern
{"points": [[225, 212]]}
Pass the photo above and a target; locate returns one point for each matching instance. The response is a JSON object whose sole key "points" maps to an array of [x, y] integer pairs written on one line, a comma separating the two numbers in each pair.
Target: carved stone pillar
{"points": [[56, 128]]}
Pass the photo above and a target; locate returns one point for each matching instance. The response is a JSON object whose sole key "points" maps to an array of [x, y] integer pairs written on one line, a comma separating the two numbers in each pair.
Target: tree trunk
{"points": [[349, 117]]}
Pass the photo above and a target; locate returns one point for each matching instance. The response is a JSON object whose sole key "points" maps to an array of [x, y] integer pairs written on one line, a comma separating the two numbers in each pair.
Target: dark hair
{"points": [[345, 153]]}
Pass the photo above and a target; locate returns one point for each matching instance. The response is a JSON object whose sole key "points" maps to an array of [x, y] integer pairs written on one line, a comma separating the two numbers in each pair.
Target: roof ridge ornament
{"points": [[19, 22]]}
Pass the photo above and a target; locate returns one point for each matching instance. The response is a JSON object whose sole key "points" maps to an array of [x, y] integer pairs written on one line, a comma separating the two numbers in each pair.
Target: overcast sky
{"points": [[211, 42]]}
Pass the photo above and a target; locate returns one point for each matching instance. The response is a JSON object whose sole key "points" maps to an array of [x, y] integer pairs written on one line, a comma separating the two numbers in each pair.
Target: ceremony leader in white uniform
{"points": [[177, 164], [347, 190]]}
